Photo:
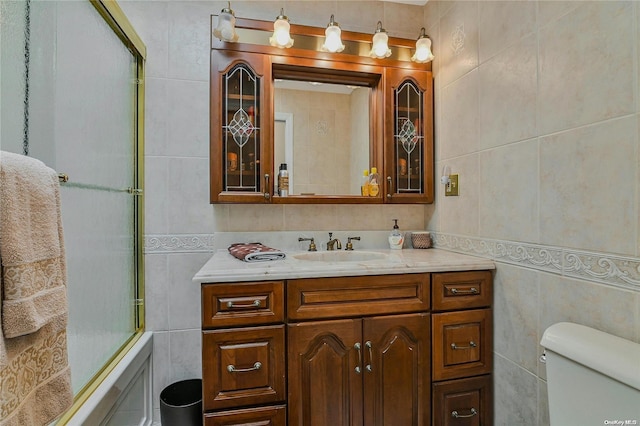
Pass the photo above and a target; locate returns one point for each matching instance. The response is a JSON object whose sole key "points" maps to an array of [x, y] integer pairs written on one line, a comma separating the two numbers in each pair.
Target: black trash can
{"points": [[181, 403]]}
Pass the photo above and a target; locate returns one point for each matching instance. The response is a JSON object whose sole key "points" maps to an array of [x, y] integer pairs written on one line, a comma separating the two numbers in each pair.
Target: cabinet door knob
{"points": [[390, 186], [457, 415], [232, 368], [472, 345], [369, 366], [266, 186]]}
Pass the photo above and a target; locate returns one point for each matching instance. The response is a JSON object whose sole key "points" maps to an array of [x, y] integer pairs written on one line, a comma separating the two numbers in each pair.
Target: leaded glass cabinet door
{"points": [[409, 137], [240, 125]]}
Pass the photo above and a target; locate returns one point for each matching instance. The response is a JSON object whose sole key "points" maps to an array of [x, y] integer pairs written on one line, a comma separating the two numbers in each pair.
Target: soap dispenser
{"points": [[396, 238]]}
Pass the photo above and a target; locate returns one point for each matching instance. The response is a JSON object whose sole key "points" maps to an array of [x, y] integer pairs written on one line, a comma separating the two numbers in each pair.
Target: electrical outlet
{"points": [[451, 189]]}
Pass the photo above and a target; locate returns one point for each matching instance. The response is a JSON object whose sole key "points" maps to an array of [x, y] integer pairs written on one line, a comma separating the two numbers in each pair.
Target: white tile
{"points": [[586, 71], [156, 197], [459, 127], [189, 39], [503, 23], [459, 40], [588, 187], [507, 99], [156, 296], [515, 394], [188, 119], [515, 315], [183, 294], [509, 192], [186, 354], [156, 116], [161, 368], [188, 208], [459, 215]]}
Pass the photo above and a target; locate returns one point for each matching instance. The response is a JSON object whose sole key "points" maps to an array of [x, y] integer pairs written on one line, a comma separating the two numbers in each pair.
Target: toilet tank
{"points": [[593, 378]]}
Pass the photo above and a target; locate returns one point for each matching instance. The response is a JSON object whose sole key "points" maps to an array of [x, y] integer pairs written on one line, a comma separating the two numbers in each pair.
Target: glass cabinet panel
{"points": [[408, 138], [241, 130]]}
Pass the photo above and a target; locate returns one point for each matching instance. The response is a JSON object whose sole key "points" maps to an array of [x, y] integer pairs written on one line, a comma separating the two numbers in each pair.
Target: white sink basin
{"points": [[340, 256]]}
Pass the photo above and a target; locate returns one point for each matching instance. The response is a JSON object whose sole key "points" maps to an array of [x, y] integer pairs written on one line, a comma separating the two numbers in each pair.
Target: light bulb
{"points": [[281, 37], [332, 40]]}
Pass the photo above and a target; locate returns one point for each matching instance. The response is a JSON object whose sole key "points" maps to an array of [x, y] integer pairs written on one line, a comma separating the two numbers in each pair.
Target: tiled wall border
{"points": [[182, 243], [604, 268]]}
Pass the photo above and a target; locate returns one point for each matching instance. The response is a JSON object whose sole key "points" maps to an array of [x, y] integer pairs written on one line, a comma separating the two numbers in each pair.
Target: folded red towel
{"points": [[255, 252]]}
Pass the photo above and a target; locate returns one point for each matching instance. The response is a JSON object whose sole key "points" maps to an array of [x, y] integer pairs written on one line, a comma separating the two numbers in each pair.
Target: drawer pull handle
{"points": [[472, 290], [457, 415], [232, 368], [369, 345], [472, 345], [255, 304], [357, 347]]}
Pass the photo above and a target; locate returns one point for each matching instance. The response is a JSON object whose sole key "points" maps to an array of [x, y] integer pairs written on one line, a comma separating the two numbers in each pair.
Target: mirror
{"points": [[322, 133]]}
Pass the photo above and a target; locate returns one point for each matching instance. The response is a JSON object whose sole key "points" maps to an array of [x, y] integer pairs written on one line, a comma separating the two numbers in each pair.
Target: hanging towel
{"points": [[255, 252], [35, 379]]}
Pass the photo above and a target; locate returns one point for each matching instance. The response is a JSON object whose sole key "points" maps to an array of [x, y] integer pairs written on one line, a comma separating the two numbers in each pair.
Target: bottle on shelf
{"points": [[283, 181], [374, 182], [364, 187]]}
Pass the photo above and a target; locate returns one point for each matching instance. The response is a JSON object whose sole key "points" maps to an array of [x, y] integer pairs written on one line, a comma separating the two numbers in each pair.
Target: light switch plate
{"points": [[451, 189]]}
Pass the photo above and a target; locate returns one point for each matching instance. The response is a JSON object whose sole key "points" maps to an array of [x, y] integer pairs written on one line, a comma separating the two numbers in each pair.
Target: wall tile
{"points": [[302, 217], [402, 20], [261, 218], [515, 394], [459, 215], [156, 112], [459, 40], [359, 16], [409, 216], [188, 207], [149, 18], [189, 39], [156, 303], [549, 11], [585, 201], [314, 13], [507, 95], [564, 299], [586, 75], [186, 354], [360, 217], [543, 404], [431, 14], [183, 294], [509, 192], [459, 133], [161, 368], [503, 23], [188, 118], [155, 198], [515, 313], [263, 9]]}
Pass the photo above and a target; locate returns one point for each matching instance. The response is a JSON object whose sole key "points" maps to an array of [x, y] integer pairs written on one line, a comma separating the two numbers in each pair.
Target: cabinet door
{"points": [[397, 370], [325, 373], [408, 142], [241, 123]]}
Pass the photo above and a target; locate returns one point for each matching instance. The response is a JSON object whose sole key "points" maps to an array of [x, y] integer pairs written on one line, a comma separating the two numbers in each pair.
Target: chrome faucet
{"points": [[333, 242]]}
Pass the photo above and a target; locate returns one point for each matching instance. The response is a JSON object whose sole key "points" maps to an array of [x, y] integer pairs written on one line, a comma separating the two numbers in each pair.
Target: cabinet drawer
{"points": [[462, 344], [465, 402], [461, 290], [317, 298], [237, 304], [262, 416], [243, 367]]}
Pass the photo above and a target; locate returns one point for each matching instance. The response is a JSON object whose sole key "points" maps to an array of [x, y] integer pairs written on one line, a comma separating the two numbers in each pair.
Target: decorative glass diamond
{"points": [[408, 136], [241, 127]]}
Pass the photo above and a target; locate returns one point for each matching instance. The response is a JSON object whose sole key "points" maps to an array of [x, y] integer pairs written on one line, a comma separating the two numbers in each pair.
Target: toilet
{"points": [[593, 378]]}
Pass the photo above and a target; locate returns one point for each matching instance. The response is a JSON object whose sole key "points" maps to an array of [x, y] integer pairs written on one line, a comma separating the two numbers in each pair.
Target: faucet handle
{"points": [[350, 244], [312, 243]]}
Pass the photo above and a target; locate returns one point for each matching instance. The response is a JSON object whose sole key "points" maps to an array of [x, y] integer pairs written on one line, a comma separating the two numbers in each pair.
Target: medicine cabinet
{"points": [[328, 116]]}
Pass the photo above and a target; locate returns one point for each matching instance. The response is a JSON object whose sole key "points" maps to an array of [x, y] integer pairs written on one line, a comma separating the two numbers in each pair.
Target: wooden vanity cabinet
{"points": [[348, 351], [462, 348]]}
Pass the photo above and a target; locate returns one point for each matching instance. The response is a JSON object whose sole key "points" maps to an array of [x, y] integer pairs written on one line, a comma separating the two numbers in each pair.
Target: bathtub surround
{"points": [[537, 112]]}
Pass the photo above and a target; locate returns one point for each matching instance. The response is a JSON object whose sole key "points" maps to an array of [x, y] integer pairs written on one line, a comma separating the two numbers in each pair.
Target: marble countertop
{"points": [[222, 267]]}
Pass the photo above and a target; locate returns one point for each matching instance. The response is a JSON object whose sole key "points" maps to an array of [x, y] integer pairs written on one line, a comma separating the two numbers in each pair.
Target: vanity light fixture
{"points": [[380, 48], [423, 49], [281, 37], [332, 39], [226, 29]]}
